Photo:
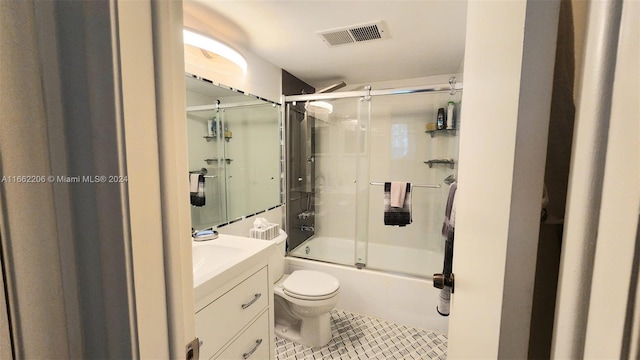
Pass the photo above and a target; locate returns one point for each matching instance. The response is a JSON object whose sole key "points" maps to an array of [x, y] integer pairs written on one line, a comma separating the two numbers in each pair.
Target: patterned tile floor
{"points": [[362, 337]]}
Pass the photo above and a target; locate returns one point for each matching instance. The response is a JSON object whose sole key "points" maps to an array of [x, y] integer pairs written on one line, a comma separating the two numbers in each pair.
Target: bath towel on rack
{"points": [[448, 232], [196, 185], [397, 216]]}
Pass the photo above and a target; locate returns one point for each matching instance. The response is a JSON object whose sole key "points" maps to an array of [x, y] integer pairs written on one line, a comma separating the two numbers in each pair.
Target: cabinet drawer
{"points": [[221, 320], [253, 344]]}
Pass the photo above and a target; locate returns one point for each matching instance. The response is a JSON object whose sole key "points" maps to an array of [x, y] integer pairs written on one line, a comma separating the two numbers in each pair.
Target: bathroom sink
{"points": [[209, 258], [217, 261]]}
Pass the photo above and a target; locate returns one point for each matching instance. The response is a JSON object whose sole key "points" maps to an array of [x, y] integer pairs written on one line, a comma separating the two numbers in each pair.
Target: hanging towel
{"points": [[447, 226], [196, 188], [448, 231], [398, 193], [397, 216]]}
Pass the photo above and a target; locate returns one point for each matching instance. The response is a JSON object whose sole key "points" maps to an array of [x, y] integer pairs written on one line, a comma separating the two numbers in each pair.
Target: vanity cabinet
{"points": [[236, 324]]}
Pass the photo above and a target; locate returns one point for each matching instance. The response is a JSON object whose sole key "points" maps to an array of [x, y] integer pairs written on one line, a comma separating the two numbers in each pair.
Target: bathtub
{"points": [[389, 258], [403, 299]]}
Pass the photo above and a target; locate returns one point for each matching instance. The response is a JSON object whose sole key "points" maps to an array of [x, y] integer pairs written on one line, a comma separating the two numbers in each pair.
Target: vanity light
{"points": [[206, 43], [319, 107]]}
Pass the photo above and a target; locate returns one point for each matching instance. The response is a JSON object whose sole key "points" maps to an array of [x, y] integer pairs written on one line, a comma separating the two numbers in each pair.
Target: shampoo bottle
{"points": [[441, 119], [450, 124], [210, 127]]}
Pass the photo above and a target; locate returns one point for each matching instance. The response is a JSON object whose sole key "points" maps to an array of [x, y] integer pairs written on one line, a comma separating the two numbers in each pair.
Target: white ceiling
{"points": [[426, 37]]}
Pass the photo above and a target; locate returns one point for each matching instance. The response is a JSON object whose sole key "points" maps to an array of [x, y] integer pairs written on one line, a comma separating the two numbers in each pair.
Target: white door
{"points": [[508, 72]]}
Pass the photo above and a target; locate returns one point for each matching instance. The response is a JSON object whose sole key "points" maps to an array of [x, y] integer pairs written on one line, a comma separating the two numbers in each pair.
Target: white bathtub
{"points": [[390, 258], [402, 299]]}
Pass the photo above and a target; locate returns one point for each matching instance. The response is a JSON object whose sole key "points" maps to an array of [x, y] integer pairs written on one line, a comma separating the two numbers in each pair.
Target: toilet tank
{"points": [[276, 260]]}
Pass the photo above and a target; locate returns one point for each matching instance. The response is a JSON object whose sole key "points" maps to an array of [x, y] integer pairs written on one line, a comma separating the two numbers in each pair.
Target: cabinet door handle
{"points": [[255, 347], [255, 298]]}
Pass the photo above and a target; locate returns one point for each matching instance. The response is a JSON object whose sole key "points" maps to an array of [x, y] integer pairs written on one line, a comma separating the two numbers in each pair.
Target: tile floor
{"points": [[362, 337]]}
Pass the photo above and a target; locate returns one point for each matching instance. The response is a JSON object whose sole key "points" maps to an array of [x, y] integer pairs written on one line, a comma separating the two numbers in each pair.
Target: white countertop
{"points": [[216, 262]]}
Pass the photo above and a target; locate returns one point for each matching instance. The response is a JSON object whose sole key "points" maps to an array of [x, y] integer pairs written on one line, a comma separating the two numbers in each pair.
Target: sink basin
{"points": [[217, 261], [214, 256]]}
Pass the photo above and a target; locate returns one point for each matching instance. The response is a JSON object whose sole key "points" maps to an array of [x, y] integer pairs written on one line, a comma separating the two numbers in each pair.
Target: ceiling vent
{"points": [[355, 34]]}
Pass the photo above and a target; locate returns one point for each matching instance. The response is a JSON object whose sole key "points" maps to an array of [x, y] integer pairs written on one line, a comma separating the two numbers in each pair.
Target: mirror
{"points": [[234, 142]]}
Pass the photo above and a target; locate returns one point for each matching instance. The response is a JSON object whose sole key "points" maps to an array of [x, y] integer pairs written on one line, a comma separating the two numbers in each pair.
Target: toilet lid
{"points": [[310, 283]]}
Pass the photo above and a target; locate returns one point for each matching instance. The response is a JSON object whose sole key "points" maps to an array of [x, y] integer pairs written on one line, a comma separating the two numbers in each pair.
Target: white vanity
{"points": [[233, 298]]}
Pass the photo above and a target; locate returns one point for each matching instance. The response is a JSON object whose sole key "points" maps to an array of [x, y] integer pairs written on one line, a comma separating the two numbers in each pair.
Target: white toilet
{"points": [[303, 300]]}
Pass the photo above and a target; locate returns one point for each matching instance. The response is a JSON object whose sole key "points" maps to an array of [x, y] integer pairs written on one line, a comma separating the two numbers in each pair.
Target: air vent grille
{"points": [[366, 33], [338, 38], [354, 34]]}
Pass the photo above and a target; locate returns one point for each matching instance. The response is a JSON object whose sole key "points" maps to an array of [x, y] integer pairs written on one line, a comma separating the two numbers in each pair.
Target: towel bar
{"points": [[203, 172]]}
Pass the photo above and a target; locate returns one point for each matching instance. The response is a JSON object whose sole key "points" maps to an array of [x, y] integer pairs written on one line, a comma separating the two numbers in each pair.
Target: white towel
{"points": [[398, 193], [452, 216], [193, 182]]}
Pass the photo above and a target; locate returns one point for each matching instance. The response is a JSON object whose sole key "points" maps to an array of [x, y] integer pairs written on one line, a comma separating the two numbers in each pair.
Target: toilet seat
{"points": [[310, 285]]}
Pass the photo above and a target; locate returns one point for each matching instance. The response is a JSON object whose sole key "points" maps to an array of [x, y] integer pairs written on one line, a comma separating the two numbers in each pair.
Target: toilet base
{"points": [[313, 332]]}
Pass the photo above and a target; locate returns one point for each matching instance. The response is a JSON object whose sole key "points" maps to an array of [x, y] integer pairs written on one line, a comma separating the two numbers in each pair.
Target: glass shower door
{"points": [[324, 165], [402, 149]]}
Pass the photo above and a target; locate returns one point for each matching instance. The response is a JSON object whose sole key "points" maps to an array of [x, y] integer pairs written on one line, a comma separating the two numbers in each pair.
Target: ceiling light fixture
{"points": [[214, 46], [319, 107]]}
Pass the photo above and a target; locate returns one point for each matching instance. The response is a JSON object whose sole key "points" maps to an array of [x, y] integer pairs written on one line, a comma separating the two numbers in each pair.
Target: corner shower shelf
{"points": [[441, 131], [449, 162]]}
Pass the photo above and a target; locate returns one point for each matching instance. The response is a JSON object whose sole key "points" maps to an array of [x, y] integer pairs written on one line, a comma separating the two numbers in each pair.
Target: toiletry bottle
{"points": [[441, 119], [450, 124], [210, 124]]}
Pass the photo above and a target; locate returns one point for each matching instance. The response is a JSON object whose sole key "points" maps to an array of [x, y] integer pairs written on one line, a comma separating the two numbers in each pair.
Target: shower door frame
{"points": [[360, 257]]}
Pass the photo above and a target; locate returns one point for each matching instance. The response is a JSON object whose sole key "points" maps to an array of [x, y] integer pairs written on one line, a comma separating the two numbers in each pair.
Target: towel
{"points": [[196, 189], [447, 226], [193, 182], [448, 231], [397, 216], [398, 193]]}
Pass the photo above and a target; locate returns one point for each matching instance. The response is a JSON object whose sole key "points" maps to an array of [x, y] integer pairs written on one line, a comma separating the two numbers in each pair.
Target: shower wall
{"points": [[300, 210]]}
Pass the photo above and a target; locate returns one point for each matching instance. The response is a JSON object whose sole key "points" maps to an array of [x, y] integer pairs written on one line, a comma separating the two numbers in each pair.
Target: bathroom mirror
{"points": [[234, 141]]}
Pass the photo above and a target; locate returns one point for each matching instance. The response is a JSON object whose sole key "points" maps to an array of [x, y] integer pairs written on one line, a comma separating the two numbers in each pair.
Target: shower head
{"points": [[331, 88]]}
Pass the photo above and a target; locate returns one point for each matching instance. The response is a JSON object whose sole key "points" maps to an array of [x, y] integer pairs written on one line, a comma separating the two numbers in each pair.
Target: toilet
{"points": [[303, 300]]}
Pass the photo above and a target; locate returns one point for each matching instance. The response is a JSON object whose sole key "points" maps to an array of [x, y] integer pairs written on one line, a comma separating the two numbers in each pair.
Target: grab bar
{"points": [[412, 185]]}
